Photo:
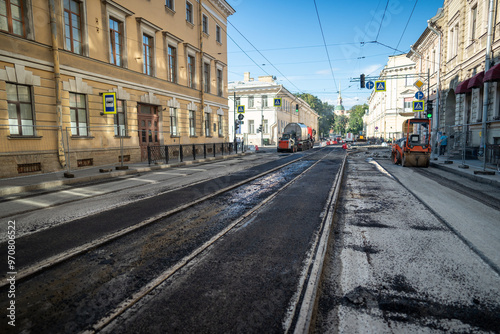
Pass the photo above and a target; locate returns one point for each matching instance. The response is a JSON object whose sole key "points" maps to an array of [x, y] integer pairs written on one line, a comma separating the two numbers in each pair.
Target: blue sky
{"points": [[290, 44]]}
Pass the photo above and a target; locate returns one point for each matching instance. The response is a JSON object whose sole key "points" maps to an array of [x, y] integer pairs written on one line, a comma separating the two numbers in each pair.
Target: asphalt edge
{"points": [[104, 176], [310, 299], [473, 177]]}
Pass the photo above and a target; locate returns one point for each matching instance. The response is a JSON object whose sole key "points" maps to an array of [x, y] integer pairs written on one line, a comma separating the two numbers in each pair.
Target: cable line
{"points": [[324, 42]]}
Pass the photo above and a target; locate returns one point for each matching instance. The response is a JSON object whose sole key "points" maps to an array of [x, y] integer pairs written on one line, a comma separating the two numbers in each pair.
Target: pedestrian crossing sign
{"points": [[241, 109], [418, 106], [380, 86], [277, 102]]}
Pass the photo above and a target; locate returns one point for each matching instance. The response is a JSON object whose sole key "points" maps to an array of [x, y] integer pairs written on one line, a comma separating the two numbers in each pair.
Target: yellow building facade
{"points": [[165, 61]]}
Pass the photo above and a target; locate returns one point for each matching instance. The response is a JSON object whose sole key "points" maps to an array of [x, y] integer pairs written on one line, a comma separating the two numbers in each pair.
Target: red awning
{"points": [[476, 81], [493, 74], [462, 87]]}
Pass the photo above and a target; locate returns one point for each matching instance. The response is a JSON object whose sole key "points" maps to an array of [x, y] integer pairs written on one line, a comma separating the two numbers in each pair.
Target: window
{"points": [[189, 12], [453, 42], [219, 82], [207, 124], [115, 41], [192, 123], [205, 24], [147, 54], [169, 4], [251, 102], [251, 126], [264, 101], [120, 128], [265, 127], [78, 111], [73, 26], [20, 110], [238, 101], [219, 121], [191, 71], [12, 17], [473, 23], [173, 122], [218, 35], [172, 64], [206, 77]]}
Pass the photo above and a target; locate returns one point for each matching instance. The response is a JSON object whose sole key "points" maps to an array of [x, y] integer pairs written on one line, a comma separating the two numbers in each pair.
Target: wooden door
{"points": [[147, 118]]}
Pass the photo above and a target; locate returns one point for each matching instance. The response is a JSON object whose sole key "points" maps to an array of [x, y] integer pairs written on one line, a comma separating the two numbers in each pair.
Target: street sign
{"points": [[418, 106], [419, 95], [109, 103], [240, 117], [418, 84], [277, 102], [241, 109], [380, 86], [370, 85]]}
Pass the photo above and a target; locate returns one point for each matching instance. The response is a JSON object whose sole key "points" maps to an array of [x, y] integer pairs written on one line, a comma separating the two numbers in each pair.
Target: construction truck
{"points": [[296, 137], [414, 148]]}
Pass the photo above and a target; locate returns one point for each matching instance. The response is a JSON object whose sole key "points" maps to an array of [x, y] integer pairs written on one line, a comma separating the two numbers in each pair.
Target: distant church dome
{"points": [[339, 108]]}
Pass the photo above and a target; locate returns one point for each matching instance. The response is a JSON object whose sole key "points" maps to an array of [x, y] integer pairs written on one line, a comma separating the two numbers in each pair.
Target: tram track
{"points": [[82, 187], [54, 260], [138, 296], [95, 247]]}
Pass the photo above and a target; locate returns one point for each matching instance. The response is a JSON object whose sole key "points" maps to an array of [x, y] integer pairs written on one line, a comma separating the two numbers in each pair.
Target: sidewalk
{"points": [[473, 172], [46, 181]]}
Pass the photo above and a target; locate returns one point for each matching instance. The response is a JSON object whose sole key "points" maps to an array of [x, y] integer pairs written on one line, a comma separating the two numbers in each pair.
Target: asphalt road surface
{"points": [[245, 281], [397, 264]]}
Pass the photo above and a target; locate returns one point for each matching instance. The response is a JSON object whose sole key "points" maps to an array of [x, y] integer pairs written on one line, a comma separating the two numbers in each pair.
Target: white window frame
{"points": [[174, 118], [473, 28], [119, 13], [148, 28]]}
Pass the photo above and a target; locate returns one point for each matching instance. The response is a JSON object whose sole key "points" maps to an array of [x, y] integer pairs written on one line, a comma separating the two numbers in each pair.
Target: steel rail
{"points": [[59, 258], [148, 288], [300, 313]]}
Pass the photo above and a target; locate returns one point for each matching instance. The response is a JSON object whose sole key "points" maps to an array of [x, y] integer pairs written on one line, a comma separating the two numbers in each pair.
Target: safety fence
{"points": [[190, 152]]}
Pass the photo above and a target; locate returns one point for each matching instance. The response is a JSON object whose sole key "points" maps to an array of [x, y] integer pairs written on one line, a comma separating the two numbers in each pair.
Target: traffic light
{"points": [[362, 81], [259, 129], [297, 107], [429, 110], [236, 125]]}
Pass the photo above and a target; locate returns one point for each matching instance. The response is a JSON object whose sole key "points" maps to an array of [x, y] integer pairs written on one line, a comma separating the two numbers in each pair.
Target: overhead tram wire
{"points": [[254, 48], [324, 42], [227, 34], [382, 21], [270, 63], [407, 22]]}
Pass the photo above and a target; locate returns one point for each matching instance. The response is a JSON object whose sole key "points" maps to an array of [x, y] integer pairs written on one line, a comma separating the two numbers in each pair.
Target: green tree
{"points": [[340, 124], [356, 118]]}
